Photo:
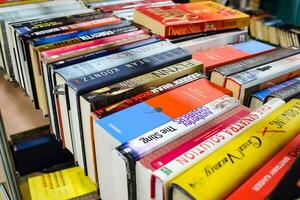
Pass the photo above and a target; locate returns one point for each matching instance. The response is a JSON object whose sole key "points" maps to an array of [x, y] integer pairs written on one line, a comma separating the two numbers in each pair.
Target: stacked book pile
{"points": [[161, 107]]}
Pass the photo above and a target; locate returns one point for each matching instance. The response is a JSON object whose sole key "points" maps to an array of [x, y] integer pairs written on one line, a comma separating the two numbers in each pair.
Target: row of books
{"points": [[273, 30], [135, 109]]}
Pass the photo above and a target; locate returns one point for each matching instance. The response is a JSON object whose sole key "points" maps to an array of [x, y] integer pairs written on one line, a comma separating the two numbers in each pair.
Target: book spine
{"points": [[143, 144], [213, 41], [69, 35], [108, 110], [86, 38], [186, 29], [188, 154], [241, 156], [92, 66], [262, 94], [287, 92], [262, 183], [132, 69], [55, 52], [98, 54], [78, 26], [250, 63]]}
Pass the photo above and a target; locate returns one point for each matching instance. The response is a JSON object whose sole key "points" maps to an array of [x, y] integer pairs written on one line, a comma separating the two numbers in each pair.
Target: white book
{"points": [[243, 84], [213, 41], [172, 169]]}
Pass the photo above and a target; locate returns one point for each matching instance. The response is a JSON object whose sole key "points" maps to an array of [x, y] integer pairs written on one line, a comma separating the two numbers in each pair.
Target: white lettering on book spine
{"points": [[182, 162], [93, 66]]}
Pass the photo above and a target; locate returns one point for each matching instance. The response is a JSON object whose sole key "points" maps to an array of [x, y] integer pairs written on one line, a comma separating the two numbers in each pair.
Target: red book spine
{"points": [[262, 183]]}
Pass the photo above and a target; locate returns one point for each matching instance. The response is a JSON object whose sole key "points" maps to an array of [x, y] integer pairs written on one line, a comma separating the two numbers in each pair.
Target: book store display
{"points": [[151, 100]]}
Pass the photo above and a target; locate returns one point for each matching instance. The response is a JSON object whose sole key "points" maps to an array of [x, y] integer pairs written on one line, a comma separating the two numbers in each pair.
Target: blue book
{"points": [[31, 143], [259, 98]]}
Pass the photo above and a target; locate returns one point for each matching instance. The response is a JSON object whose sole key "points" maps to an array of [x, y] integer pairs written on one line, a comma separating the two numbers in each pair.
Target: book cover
{"points": [[216, 57], [219, 74], [242, 156], [65, 184], [116, 74], [286, 93], [265, 180], [184, 19]]}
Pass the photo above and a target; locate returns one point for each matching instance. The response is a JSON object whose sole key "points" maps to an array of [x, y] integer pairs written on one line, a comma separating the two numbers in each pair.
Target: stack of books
{"points": [[160, 107]]}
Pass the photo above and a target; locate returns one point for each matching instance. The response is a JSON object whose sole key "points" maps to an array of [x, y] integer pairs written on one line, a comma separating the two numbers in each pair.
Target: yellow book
{"points": [[65, 184], [220, 173]]}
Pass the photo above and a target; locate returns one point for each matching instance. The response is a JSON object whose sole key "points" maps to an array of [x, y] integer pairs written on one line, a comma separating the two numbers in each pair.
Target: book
{"points": [[152, 113], [113, 108], [241, 156], [64, 184], [213, 41], [220, 74], [243, 84], [175, 162], [184, 19], [48, 75], [260, 97], [145, 166], [288, 187], [88, 102], [35, 57], [216, 57], [62, 75], [264, 181], [18, 14], [286, 93], [94, 81]]}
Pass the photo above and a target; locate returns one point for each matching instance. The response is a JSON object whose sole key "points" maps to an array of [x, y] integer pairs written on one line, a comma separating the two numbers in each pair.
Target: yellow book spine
{"points": [[220, 173]]}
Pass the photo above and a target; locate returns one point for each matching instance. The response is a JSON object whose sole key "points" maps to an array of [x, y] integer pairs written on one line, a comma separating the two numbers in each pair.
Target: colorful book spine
{"points": [[78, 26], [175, 162], [108, 110], [262, 94], [47, 40], [286, 93], [152, 140], [129, 70], [92, 66], [263, 182], [75, 47], [241, 156]]}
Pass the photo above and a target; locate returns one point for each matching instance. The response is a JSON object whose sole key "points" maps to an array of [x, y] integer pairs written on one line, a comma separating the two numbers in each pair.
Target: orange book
{"points": [[263, 182], [183, 19]]}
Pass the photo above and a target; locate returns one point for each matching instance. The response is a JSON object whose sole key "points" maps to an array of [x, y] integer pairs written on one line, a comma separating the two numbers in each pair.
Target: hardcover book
{"points": [[220, 74], [184, 19], [50, 84], [260, 97], [242, 157], [243, 84], [120, 127], [286, 93], [101, 97], [216, 57], [265, 180]]}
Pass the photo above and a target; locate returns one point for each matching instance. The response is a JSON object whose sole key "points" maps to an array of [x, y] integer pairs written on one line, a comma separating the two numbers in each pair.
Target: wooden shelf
{"points": [[17, 109]]}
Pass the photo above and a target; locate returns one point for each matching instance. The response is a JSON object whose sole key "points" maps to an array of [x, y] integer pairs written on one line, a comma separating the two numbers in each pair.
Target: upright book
{"points": [[184, 19]]}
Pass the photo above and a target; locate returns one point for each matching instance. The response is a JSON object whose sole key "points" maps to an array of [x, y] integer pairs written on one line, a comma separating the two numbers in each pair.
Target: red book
{"points": [[216, 57], [184, 19], [263, 182]]}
